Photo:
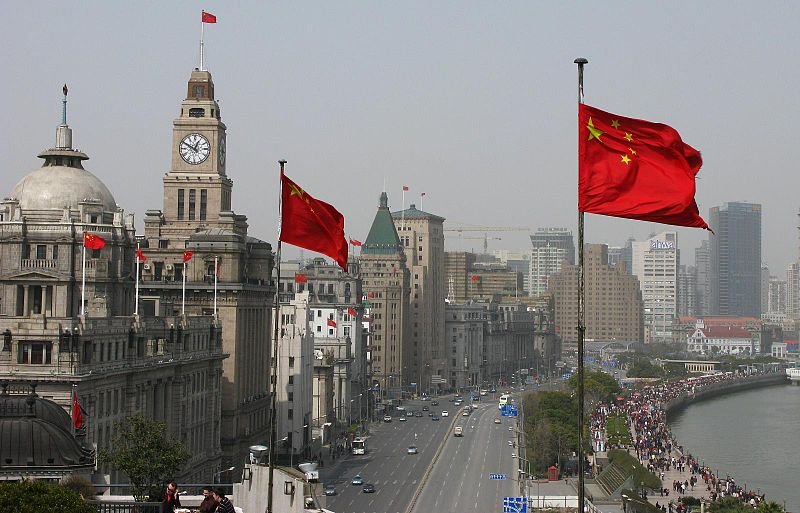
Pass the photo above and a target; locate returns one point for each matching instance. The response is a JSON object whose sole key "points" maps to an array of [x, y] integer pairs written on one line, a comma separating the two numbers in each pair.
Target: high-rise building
{"points": [[736, 259], [422, 236], [519, 262], [687, 291], [197, 216], [702, 265], [765, 279], [551, 247], [793, 291], [613, 300], [776, 296], [386, 285], [655, 263]]}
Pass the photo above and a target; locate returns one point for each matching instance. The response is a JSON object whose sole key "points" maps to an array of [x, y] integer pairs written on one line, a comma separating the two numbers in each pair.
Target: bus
{"points": [[359, 446], [503, 401]]}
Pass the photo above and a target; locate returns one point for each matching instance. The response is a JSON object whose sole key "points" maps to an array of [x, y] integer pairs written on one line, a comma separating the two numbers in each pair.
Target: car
{"points": [[387, 418], [357, 480], [330, 489], [434, 403], [497, 421], [402, 418], [418, 414], [400, 408], [425, 408], [483, 392], [457, 403], [368, 488], [412, 449], [465, 413], [435, 417], [431, 414], [445, 413]]}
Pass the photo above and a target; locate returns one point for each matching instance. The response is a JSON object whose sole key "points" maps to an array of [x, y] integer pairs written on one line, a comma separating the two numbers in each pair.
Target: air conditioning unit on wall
{"points": [[146, 267]]}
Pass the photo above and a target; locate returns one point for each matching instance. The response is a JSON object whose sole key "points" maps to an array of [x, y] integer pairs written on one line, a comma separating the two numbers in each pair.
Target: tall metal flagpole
{"points": [[216, 273], [83, 279], [580, 61], [202, 35], [136, 305], [274, 365]]}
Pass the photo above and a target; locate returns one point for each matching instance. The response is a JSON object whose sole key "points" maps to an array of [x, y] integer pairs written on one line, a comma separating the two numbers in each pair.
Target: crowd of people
{"points": [[214, 500], [656, 447]]}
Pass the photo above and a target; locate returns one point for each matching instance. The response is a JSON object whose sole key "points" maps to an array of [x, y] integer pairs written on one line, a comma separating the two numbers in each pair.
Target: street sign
{"points": [[509, 410], [497, 477], [515, 505]]}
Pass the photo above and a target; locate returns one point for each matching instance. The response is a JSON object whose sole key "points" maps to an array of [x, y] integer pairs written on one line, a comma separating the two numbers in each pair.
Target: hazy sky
{"points": [[473, 103]]}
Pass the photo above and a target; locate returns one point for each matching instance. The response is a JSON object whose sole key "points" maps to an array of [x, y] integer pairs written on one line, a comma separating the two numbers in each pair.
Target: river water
{"points": [[753, 435]]}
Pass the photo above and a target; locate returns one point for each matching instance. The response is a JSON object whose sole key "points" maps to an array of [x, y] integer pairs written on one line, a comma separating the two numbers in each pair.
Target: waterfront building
{"points": [[614, 309], [468, 355], [776, 296], [655, 264], [386, 285], [793, 291], [736, 259], [551, 247], [422, 236], [713, 340], [87, 343], [197, 216], [702, 264], [687, 290]]}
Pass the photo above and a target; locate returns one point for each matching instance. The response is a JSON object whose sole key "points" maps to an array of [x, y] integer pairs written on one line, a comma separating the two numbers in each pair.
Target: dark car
{"points": [[425, 408], [434, 403], [330, 489], [435, 417], [418, 414], [368, 488]]}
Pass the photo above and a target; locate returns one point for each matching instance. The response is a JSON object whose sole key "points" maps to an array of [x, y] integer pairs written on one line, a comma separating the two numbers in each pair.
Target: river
{"points": [[751, 435]]}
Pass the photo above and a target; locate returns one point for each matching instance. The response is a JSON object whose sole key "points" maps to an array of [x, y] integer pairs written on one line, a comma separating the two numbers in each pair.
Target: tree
{"points": [[36, 496], [769, 507], [598, 386], [143, 450]]}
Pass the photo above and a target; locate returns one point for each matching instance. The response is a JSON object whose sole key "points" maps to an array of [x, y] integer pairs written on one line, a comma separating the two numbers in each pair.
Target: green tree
{"points": [[644, 369], [675, 370], [597, 386], [143, 450], [37, 496], [769, 507]]}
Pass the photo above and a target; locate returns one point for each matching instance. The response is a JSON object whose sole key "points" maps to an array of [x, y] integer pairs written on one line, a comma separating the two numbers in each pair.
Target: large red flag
{"points": [[140, 256], [92, 241], [207, 17], [312, 224], [187, 255], [77, 411], [331, 323], [636, 169], [300, 278]]}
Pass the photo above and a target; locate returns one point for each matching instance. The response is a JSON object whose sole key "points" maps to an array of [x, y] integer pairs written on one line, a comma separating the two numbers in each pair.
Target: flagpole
{"points": [[83, 279], [136, 304], [183, 290], [72, 410], [274, 366], [216, 272], [202, 35], [403, 213], [580, 61]]}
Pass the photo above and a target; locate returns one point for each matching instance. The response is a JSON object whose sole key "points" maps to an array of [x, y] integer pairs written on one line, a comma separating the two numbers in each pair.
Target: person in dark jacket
{"points": [[172, 500], [209, 504], [224, 504]]}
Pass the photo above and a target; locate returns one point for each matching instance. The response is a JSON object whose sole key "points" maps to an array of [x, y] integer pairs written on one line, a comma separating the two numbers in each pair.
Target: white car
{"points": [[445, 413], [403, 418], [412, 449]]}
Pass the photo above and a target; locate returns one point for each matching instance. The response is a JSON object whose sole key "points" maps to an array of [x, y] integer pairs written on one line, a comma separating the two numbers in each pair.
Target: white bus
{"points": [[359, 446], [503, 401]]}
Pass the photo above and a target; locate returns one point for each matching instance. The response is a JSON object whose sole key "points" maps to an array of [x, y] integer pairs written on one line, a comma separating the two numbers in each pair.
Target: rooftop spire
{"points": [[64, 132]]}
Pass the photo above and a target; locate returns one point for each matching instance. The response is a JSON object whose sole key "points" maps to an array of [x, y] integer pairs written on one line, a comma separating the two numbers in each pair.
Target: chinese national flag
{"points": [[207, 17], [331, 323], [140, 256], [474, 277], [355, 242], [77, 411], [352, 312], [300, 278], [636, 169], [92, 241], [187, 255], [312, 224], [405, 188]]}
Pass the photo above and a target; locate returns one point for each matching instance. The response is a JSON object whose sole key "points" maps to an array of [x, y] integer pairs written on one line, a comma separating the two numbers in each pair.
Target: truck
{"points": [[458, 431]]}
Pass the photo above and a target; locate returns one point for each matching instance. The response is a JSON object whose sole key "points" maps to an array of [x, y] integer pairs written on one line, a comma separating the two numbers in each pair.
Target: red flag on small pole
{"points": [[77, 411], [92, 241], [331, 323], [352, 312], [300, 278], [207, 17], [355, 242], [187, 255]]}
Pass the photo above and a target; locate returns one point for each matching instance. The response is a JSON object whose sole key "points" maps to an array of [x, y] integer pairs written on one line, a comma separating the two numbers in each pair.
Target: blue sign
{"points": [[509, 410], [497, 477], [515, 505]]}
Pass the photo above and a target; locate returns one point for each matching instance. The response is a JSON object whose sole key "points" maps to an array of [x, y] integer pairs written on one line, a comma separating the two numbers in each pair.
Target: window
{"points": [[181, 204], [291, 379], [290, 414], [196, 112], [203, 203], [291, 362], [198, 91], [35, 353], [41, 252], [55, 252], [192, 194]]}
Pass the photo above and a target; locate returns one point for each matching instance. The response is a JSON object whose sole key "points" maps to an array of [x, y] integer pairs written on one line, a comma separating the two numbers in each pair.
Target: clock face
{"points": [[194, 149], [221, 152]]}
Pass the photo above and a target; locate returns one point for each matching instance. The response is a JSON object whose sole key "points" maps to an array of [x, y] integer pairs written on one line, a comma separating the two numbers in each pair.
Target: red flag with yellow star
{"points": [[311, 224], [635, 169]]}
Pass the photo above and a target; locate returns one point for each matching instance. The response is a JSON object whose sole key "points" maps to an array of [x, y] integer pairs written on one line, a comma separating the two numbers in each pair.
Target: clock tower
{"points": [[197, 188]]}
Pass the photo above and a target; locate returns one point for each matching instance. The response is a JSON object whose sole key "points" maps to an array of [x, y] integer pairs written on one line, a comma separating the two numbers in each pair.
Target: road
{"points": [[460, 478]]}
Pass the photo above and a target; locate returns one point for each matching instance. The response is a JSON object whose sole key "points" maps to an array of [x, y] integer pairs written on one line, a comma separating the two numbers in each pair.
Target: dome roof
{"points": [[56, 187]]}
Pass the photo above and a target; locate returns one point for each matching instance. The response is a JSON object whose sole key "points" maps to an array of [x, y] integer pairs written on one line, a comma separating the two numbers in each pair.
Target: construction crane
{"points": [[486, 230], [485, 240]]}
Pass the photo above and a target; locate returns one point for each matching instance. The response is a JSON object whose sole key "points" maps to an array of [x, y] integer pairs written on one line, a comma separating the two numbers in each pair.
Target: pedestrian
{"points": [[172, 500], [224, 504], [209, 504]]}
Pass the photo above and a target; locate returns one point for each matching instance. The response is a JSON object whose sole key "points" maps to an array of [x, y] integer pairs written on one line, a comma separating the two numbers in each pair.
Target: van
{"points": [[458, 431]]}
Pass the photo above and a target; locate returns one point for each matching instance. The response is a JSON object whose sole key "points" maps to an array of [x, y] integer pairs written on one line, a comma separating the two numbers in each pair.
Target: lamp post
{"points": [[218, 474], [350, 414], [291, 457]]}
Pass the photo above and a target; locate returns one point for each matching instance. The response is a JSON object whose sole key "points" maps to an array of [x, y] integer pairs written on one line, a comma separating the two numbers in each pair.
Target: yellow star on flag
{"points": [[633, 152], [615, 123], [296, 191], [625, 159], [628, 137], [594, 133]]}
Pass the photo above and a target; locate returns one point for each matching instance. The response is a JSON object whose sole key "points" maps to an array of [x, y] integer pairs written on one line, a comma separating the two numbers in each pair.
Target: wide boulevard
{"points": [[459, 480]]}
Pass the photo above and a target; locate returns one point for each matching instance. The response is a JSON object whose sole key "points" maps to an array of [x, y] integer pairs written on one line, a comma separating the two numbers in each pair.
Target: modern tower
{"points": [[655, 263], [736, 259], [551, 247]]}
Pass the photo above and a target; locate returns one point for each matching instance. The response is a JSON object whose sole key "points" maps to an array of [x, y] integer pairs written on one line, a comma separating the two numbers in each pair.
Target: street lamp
{"points": [[291, 457], [218, 474], [350, 414]]}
